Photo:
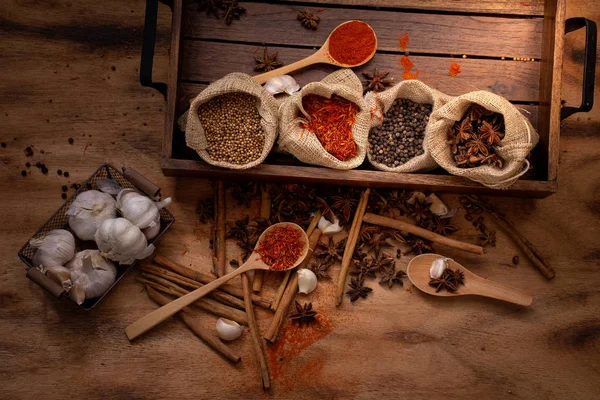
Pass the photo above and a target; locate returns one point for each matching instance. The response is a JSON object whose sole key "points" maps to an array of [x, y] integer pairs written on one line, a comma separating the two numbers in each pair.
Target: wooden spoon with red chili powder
{"points": [[351, 44], [281, 247]]}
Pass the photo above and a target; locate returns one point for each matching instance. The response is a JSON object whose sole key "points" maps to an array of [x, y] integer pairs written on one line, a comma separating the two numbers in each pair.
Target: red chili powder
{"points": [[281, 247], [403, 41], [454, 70], [352, 43], [407, 64]]}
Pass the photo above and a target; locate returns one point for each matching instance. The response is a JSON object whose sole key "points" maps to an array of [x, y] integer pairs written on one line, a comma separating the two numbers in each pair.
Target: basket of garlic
{"points": [[99, 233]]}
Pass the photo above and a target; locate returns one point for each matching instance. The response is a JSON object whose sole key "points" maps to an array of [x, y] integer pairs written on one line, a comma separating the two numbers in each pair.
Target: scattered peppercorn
{"points": [[66, 174], [113, 68], [28, 151], [71, 140], [63, 195], [3, 144], [28, 164], [42, 151], [23, 173], [64, 188], [515, 260], [400, 136], [75, 186], [59, 171], [44, 170], [38, 164]]}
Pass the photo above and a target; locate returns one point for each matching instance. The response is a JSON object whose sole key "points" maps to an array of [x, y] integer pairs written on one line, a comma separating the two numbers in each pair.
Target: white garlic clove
{"points": [[77, 294], [438, 266], [280, 84], [437, 206], [332, 228], [307, 281], [228, 329], [151, 231]]}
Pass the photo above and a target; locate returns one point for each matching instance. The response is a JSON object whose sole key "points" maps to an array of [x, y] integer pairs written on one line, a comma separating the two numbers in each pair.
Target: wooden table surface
{"points": [[70, 70]]}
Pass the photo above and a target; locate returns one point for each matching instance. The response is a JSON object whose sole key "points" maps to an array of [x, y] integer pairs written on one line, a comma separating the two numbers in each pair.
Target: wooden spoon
{"points": [[320, 56], [255, 261], [418, 273]]}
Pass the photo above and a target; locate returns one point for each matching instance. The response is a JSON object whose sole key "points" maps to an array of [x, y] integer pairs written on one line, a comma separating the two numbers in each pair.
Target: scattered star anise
{"points": [[419, 246], [450, 280], [320, 269], [491, 133], [346, 204], [394, 234], [210, 6], [232, 10], [420, 211], [358, 290], [442, 226], [378, 242], [476, 146], [367, 232], [321, 205], [239, 230], [331, 252], [267, 62], [205, 210], [376, 81], [308, 19], [464, 130], [382, 261], [364, 268], [243, 193], [390, 276], [487, 238], [304, 314]]}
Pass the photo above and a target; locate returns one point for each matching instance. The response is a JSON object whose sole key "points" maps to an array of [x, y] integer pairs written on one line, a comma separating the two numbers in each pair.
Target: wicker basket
{"points": [[129, 178]]}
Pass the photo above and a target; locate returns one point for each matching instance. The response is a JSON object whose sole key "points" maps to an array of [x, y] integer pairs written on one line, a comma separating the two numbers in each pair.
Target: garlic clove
{"points": [[77, 294], [151, 231], [60, 275], [437, 206], [228, 329], [280, 84], [92, 273], [332, 228], [307, 281], [323, 223], [438, 266]]}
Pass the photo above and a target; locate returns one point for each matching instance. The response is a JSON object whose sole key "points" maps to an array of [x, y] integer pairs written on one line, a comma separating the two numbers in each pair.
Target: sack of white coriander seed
{"points": [[232, 123], [341, 92], [471, 153], [399, 117]]}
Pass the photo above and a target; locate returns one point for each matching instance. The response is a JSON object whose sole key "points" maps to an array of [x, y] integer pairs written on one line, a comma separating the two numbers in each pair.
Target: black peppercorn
{"points": [[44, 170], [71, 140], [64, 188], [28, 164], [3, 144], [66, 174], [23, 173], [28, 151], [63, 195], [59, 171], [38, 164], [515, 260]]}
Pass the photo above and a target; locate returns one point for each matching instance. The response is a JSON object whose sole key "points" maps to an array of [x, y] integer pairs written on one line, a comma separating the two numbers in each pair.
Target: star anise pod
{"points": [[450, 280], [320, 269], [259, 224], [358, 290], [321, 205], [239, 230], [378, 242], [419, 246], [331, 252], [376, 81], [487, 237], [476, 146], [476, 112], [267, 62], [367, 232], [420, 211], [243, 193], [205, 210], [304, 314], [346, 204], [391, 276], [442, 283], [210, 6], [464, 130], [308, 19], [247, 247], [382, 261], [491, 133], [394, 234], [364, 268], [232, 10], [442, 226], [493, 159]]}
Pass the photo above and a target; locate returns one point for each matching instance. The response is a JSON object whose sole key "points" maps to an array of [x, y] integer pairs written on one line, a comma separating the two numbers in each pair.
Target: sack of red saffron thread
{"points": [[403, 125], [461, 139], [327, 122], [232, 123]]}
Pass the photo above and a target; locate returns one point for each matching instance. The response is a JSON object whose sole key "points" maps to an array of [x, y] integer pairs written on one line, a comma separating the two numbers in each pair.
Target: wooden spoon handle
{"points": [[157, 316], [487, 288], [315, 58]]}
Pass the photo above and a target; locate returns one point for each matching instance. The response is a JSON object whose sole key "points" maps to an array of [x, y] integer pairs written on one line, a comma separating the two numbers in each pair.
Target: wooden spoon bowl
{"points": [[320, 56], [418, 273], [255, 261]]}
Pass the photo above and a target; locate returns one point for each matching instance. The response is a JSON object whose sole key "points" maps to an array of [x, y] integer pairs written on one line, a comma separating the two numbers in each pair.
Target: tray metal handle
{"points": [[589, 64], [148, 46], [38, 277]]}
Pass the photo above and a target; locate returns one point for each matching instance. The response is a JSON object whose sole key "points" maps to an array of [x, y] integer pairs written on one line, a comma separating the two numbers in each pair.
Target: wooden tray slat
{"points": [[276, 24], [205, 62]]}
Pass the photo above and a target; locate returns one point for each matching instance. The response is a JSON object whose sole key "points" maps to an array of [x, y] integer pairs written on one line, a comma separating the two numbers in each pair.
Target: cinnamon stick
{"points": [[290, 291], [220, 231], [224, 298], [189, 318], [351, 245], [203, 278], [259, 351], [265, 212], [206, 304], [279, 294], [424, 233]]}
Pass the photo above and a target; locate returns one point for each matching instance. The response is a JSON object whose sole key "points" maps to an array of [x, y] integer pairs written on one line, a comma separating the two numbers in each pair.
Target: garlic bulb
{"points": [[60, 275], [119, 240], [307, 281], [280, 84], [54, 249], [328, 228], [438, 266], [92, 273], [228, 329], [437, 206], [140, 210], [88, 211]]}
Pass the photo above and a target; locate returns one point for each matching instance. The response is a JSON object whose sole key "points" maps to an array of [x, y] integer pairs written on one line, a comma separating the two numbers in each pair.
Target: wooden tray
{"points": [[203, 49]]}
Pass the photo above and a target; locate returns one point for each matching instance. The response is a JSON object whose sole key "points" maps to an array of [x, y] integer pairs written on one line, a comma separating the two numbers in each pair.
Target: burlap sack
{"points": [[519, 139], [235, 82], [380, 103], [303, 144]]}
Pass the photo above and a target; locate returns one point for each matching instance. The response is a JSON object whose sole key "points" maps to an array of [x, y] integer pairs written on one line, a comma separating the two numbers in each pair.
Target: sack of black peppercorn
{"points": [[399, 117], [295, 136], [490, 148], [232, 123]]}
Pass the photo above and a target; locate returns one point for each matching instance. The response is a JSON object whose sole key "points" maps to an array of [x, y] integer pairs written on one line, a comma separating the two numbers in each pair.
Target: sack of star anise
{"points": [[495, 159], [381, 105], [232, 123], [327, 123]]}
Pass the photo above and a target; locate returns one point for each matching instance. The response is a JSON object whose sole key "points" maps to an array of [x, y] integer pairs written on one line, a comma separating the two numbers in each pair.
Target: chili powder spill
{"points": [[281, 247], [454, 70], [352, 42], [331, 120], [408, 65], [403, 41]]}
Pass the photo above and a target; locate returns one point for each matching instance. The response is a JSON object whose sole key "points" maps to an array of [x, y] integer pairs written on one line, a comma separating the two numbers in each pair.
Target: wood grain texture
{"points": [[547, 352], [276, 24]]}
